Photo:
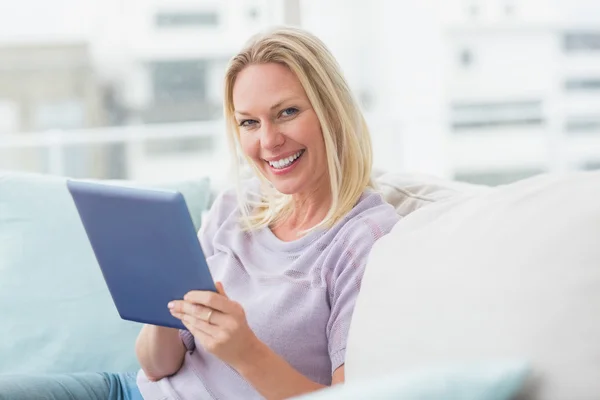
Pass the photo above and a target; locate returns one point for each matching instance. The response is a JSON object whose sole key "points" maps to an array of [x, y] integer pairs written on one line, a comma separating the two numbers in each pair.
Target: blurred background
{"points": [[483, 91]]}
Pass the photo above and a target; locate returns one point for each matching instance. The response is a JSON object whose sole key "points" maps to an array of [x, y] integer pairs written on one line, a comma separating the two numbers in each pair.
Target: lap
{"points": [[78, 386]]}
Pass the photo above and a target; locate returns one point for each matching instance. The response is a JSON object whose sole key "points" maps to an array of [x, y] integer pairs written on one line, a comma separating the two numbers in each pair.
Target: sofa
{"points": [[57, 314], [477, 292]]}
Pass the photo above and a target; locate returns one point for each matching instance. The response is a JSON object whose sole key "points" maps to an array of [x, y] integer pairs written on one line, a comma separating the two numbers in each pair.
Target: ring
{"points": [[209, 315]]}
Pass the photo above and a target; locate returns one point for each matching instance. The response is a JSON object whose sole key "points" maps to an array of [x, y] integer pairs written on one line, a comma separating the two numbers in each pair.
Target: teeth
{"points": [[284, 162]]}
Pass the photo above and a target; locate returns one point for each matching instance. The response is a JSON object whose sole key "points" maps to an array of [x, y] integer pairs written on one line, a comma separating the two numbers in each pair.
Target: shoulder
{"points": [[224, 205], [222, 222], [351, 239], [226, 202], [370, 219]]}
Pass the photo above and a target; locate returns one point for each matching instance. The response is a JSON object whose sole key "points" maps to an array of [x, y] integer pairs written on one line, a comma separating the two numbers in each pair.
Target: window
{"points": [[469, 116], [465, 58], [169, 146], [179, 80], [181, 91], [581, 41], [59, 114], [186, 19], [581, 85], [583, 124], [592, 165]]}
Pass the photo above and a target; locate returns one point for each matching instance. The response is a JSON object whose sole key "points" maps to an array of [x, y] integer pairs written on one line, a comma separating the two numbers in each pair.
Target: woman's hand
{"points": [[219, 324]]}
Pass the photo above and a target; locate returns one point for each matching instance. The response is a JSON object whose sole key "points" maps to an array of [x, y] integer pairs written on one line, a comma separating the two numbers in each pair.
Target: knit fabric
{"points": [[298, 296]]}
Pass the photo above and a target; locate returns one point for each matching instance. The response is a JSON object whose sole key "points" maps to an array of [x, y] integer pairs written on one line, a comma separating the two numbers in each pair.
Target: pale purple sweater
{"points": [[298, 296]]}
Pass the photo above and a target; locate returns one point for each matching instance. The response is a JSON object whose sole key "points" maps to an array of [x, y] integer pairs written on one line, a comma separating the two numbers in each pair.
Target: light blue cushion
{"points": [[56, 312], [486, 381]]}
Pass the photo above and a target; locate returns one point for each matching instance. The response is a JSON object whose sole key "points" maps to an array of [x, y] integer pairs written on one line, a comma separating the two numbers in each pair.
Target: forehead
{"points": [[263, 85]]}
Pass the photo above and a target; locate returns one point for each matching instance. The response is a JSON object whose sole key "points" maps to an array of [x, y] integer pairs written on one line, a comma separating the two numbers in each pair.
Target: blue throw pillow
{"points": [[486, 381], [56, 312]]}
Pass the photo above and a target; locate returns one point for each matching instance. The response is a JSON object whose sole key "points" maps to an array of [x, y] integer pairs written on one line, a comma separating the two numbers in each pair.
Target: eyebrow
{"points": [[274, 106]]}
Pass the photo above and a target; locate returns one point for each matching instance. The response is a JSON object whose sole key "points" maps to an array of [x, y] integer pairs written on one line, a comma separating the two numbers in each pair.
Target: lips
{"points": [[286, 161], [285, 165]]}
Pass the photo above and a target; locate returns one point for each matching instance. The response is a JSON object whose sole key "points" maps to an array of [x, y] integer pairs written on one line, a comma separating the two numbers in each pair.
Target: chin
{"points": [[284, 186], [285, 189]]}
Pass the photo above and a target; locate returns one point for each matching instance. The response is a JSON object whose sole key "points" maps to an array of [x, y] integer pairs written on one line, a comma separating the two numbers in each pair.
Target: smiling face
{"points": [[279, 130]]}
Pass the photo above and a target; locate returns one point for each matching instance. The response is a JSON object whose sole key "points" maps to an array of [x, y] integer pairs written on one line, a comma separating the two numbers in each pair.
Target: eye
{"points": [[288, 112], [247, 123]]}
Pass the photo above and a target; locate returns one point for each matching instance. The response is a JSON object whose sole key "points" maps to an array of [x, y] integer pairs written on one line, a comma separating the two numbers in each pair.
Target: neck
{"points": [[309, 209]]}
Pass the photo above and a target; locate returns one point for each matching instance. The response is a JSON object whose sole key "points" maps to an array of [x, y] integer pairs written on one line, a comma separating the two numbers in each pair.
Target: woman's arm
{"points": [[274, 378], [220, 326], [160, 351]]}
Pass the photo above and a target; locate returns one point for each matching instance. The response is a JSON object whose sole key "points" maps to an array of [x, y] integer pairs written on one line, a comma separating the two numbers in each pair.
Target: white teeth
{"points": [[284, 162]]}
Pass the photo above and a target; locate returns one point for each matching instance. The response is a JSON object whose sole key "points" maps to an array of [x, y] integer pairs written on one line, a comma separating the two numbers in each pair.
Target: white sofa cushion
{"points": [[507, 273], [408, 192]]}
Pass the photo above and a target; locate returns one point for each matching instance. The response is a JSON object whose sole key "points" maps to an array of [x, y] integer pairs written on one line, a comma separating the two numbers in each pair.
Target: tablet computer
{"points": [[146, 245]]}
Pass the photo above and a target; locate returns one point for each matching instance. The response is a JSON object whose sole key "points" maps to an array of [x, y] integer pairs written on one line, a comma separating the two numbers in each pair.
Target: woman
{"points": [[288, 249]]}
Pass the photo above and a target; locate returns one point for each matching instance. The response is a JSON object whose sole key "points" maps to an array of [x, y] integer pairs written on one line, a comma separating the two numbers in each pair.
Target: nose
{"points": [[271, 137]]}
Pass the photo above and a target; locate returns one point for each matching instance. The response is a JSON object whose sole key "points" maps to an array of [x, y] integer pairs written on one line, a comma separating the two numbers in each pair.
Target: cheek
{"points": [[313, 134], [317, 143], [249, 145]]}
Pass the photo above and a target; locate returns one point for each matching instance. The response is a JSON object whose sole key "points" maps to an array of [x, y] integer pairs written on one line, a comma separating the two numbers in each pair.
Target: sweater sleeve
{"points": [[346, 278], [224, 205]]}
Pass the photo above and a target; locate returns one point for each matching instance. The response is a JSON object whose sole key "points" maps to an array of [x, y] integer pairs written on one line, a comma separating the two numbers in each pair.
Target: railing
{"points": [[397, 147], [133, 137]]}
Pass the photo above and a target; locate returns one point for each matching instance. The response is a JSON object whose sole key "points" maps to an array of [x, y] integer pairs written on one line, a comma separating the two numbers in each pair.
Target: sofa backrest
{"points": [[511, 273], [57, 314], [408, 192]]}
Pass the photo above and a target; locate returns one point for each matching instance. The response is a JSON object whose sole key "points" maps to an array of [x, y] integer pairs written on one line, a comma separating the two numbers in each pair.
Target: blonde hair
{"points": [[345, 132]]}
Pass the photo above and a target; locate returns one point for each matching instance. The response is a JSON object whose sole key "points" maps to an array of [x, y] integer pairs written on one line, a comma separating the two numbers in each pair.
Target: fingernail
{"points": [[170, 305]]}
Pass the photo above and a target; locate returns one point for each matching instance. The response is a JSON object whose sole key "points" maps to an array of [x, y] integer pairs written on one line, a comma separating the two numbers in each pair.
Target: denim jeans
{"points": [[78, 386]]}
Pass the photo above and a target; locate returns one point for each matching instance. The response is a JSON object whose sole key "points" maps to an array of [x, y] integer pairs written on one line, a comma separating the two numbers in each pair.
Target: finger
{"points": [[212, 300], [184, 307], [221, 289], [197, 333], [201, 325], [195, 310], [176, 305], [177, 314], [181, 308], [181, 316]]}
